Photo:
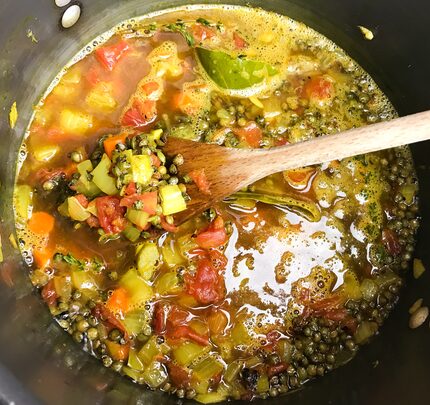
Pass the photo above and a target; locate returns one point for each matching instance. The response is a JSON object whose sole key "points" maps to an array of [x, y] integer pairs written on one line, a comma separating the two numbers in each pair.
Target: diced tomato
{"points": [[201, 32], [391, 242], [281, 142], [177, 316], [82, 200], [160, 318], [110, 214], [273, 336], [141, 114], [149, 201], [201, 181], [179, 376], [110, 55], [168, 227], [149, 88], [239, 42], [318, 88], [187, 333], [104, 314], [49, 294], [55, 134], [206, 286], [131, 189], [213, 236], [251, 134], [276, 369], [218, 260]]}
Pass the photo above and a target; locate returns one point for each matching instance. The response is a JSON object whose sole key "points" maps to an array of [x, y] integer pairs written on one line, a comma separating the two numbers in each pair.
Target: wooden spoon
{"points": [[229, 170]]}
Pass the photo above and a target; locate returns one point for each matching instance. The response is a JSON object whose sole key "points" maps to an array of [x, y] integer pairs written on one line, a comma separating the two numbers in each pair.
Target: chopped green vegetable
{"points": [[135, 321], [148, 260], [13, 115], [131, 233], [45, 153], [76, 210], [418, 268], [180, 27], [155, 374], [141, 168], [151, 349], [140, 292], [139, 218], [263, 384], [188, 352], [172, 255], [101, 176], [168, 283], [207, 368], [233, 73], [211, 397], [84, 185], [172, 200], [23, 203], [134, 361]]}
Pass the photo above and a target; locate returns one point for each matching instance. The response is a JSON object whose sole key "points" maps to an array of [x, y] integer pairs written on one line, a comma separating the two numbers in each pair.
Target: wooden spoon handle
{"points": [[385, 135]]}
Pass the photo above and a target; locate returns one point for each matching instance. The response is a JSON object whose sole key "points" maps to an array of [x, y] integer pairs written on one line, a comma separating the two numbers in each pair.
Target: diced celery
{"points": [[45, 153], [155, 374], [240, 334], [171, 254], [85, 186], [148, 260], [75, 122], [131, 233], [155, 135], [211, 397], [207, 368], [233, 370], [140, 292], [139, 218], [186, 243], [133, 374], [101, 176], [101, 97], [63, 209], [168, 283], [23, 203], [135, 321], [172, 200], [151, 349], [186, 353], [141, 168], [351, 285], [263, 384], [134, 361], [92, 208], [76, 210], [286, 350], [201, 387], [83, 280]]}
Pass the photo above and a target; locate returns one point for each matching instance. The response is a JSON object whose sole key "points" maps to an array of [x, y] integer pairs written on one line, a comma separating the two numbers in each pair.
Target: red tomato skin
{"points": [[201, 181], [318, 88], [213, 236], [251, 134], [149, 201], [110, 55], [110, 214]]}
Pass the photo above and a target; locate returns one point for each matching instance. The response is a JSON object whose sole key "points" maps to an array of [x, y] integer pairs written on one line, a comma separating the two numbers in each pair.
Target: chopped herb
{"points": [[203, 21], [71, 260], [31, 35], [180, 27]]}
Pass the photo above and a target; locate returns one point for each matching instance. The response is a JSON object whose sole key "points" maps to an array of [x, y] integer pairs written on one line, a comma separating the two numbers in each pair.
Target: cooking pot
{"points": [[39, 363]]}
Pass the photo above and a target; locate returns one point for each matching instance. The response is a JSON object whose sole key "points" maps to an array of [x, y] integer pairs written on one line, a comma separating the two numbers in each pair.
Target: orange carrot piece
{"points": [[42, 257], [119, 301], [117, 351], [110, 143], [41, 223]]}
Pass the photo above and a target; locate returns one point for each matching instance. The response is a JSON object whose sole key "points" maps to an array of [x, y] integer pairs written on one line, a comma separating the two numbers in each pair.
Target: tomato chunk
{"points": [[318, 88], [110, 55], [110, 214], [201, 32], [148, 200], [201, 181], [141, 114], [214, 236], [239, 42], [206, 286], [251, 134]]}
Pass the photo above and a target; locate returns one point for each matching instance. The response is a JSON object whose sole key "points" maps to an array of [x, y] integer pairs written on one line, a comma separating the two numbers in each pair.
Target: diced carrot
{"points": [[182, 101], [119, 301], [217, 322], [42, 257], [319, 88], [110, 143], [117, 351], [41, 223], [155, 161]]}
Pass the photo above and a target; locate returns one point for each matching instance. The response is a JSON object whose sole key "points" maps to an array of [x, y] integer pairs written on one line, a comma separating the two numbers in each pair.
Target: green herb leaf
{"points": [[203, 22], [233, 73], [182, 29]]}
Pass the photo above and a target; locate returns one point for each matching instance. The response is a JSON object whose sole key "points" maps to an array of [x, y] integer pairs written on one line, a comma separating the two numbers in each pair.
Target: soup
{"points": [[276, 285]]}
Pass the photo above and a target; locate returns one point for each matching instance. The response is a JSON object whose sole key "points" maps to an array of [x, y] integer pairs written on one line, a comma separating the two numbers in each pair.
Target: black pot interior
{"points": [[41, 363]]}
